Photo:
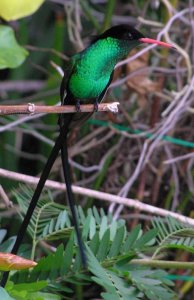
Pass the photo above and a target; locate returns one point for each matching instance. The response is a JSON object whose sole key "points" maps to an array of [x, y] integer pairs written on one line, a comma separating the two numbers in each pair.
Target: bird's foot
{"points": [[78, 106], [96, 106]]}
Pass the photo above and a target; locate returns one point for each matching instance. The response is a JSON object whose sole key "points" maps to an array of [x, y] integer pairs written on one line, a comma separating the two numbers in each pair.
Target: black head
{"points": [[126, 32], [121, 32]]}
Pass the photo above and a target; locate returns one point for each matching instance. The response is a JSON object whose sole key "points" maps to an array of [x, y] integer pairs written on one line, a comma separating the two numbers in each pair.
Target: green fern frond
{"points": [[121, 281], [63, 265], [173, 234], [152, 283], [107, 238], [110, 247], [130, 282], [51, 221], [45, 211]]}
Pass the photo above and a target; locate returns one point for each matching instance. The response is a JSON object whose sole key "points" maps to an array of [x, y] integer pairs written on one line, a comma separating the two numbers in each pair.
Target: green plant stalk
{"points": [[108, 14], [86, 9], [79, 291], [163, 264], [59, 34], [169, 197], [184, 201]]}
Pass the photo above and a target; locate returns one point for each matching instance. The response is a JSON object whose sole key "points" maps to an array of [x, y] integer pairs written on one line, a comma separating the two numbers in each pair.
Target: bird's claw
{"points": [[96, 106], [78, 106]]}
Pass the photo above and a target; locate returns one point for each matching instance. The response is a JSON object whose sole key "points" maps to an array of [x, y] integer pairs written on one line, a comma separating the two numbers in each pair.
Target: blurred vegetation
{"points": [[155, 92]]}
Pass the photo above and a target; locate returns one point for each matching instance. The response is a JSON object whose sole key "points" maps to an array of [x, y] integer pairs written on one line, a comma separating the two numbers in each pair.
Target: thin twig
{"points": [[98, 195], [5, 198], [179, 158], [22, 85]]}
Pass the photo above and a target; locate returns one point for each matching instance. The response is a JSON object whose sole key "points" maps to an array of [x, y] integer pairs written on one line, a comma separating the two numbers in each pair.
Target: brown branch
{"points": [[31, 108], [134, 203], [22, 85], [5, 198]]}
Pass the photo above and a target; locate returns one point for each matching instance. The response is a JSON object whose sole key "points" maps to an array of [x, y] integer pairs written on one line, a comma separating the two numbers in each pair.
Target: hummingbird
{"points": [[86, 81]]}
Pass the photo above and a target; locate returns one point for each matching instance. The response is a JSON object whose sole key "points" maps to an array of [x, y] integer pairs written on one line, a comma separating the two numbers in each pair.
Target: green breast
{"points": [[93, 67], [84, 86]]}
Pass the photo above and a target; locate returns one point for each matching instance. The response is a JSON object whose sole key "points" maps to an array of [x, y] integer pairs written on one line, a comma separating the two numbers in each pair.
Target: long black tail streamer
{"points": [[71, 202]]}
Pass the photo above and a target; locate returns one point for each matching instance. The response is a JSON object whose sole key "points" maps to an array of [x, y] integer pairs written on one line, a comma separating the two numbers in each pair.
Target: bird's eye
{"points": [[127, 35], [130, 36]]}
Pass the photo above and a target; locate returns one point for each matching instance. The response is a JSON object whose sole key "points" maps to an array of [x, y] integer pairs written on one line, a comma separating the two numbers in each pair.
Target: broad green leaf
{"points": [[15, 9], [11, 54], [45, 296], [30, 291], [31, 287]]}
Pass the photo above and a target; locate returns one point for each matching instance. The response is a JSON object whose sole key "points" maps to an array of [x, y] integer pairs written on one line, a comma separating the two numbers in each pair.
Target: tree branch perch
{"points": [[31, 108]]}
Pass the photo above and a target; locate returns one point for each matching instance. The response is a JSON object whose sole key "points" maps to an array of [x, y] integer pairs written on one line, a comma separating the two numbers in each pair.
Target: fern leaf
{"points": [[104, 246], [151, 283], [116, 244], [131, 238], [173, 234], [146, 239], [115, 287], [94, 243]]}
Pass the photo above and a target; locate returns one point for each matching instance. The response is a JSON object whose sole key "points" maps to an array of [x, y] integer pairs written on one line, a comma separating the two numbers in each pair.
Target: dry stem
{"points": [[134, 203]]}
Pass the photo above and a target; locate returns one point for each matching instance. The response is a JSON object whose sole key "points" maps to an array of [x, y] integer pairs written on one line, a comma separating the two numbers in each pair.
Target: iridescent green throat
{"points": [[94, 66]]}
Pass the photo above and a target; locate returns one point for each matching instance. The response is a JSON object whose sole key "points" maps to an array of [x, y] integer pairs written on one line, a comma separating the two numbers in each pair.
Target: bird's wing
{"points": [[80, 118], [67, 98], [64, 83]]}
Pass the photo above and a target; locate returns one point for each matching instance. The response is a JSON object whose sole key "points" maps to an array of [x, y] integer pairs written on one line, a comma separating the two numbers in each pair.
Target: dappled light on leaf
{"points": [[16, 9], [12, 54]]}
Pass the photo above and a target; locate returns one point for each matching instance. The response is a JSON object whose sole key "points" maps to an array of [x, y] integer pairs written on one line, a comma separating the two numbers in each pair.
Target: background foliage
{"points": [[147, 156]]}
